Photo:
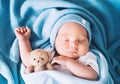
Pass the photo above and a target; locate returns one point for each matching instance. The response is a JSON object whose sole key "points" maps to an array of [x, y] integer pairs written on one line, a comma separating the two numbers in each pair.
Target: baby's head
{"points": [[71, 36]]}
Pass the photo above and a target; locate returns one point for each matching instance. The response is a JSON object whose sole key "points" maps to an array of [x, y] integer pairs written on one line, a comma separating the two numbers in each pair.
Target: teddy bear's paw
{"points": [[29, 70], [49, 66]]}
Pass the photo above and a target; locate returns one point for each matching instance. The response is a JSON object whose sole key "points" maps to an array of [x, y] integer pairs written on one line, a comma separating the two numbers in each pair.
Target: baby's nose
{"points": [[73, 45]]}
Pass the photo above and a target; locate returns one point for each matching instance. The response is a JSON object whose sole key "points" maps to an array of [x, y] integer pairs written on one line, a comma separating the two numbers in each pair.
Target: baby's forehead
{"points": [[71, 23], [72, 26]]}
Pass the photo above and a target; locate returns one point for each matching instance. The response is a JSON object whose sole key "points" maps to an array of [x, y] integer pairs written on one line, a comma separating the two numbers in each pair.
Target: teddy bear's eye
{"points": [[34, 59], [42, 58]]}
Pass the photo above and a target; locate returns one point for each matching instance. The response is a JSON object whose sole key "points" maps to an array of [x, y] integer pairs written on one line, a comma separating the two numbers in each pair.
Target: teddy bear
{"points": [[39, 59]]}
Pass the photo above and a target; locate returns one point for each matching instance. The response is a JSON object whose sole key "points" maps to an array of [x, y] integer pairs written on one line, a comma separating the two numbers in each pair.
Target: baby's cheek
{"points": [[83, 52]]}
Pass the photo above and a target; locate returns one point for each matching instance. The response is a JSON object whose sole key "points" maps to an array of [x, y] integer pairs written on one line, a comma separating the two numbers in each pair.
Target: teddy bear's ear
{"points": [[50, 55], [28, 54]]}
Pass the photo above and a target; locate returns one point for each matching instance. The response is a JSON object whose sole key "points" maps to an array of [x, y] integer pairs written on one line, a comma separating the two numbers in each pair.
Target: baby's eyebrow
{"points": [[83, 37], [62, 37]]}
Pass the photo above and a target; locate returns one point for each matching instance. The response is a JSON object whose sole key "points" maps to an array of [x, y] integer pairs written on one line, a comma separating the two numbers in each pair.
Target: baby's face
{"points": [[72, 40]]}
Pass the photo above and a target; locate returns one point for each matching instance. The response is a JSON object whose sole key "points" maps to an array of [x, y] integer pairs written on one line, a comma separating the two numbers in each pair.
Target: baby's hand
{"points": [[23, 33], [62, 60]]}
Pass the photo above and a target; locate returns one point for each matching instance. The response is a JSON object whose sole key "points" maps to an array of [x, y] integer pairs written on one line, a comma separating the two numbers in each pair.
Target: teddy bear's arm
{"points": [[29, 69], [39, 68], [49, 66]]}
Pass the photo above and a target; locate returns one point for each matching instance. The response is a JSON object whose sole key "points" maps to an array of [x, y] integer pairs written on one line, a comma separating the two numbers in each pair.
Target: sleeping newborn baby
{"points": [[71, 41]]}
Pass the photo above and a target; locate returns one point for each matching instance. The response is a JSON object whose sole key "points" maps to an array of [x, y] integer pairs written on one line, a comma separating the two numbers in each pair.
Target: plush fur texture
{"points": [[39, 59]]}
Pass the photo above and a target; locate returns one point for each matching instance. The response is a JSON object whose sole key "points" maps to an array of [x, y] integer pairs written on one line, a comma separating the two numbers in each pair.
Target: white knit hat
{"points": [[69, 18]]}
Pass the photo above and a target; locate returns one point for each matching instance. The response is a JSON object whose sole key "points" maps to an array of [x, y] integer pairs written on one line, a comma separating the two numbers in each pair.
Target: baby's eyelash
{"points": [[66, 40]]}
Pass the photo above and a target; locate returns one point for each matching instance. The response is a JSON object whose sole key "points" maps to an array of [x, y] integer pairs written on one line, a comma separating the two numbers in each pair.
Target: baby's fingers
{"points": [[55, 61], [23, 29], [28, 29], [20, 30], [17, 31]]}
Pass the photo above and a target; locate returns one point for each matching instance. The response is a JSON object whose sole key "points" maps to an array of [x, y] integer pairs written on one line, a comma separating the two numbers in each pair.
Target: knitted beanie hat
{"points": [[69, 18]]}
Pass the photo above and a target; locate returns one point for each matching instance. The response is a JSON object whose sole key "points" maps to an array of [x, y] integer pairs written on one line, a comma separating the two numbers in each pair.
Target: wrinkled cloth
{"points": [[40, 16], [59, 77]]}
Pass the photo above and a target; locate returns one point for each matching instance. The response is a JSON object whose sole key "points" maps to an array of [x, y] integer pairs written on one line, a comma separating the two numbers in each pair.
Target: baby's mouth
{"points": [[72, 53]]}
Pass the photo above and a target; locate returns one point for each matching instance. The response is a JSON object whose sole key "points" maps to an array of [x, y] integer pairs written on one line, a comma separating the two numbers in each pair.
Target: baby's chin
{"points": [[72, 56]]}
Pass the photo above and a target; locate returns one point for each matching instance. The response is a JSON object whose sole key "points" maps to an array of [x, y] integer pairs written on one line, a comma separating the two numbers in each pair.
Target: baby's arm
{"points": [[76, 67], [81, 70], [23, 34]]}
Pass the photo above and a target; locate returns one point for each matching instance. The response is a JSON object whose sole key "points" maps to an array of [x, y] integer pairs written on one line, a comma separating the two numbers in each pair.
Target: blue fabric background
{"points": [[106, 11]]}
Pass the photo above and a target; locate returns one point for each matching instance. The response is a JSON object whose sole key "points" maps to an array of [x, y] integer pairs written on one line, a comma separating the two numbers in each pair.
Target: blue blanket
{"points": [[41, 15], [57, 77]]}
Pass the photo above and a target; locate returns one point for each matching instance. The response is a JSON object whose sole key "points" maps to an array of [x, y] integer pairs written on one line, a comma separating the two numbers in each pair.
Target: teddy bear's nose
{"points": [[38, 61]]}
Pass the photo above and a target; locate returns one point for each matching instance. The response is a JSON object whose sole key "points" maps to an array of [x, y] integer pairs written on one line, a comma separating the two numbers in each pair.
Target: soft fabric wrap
{"points": [[45, 17]]}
